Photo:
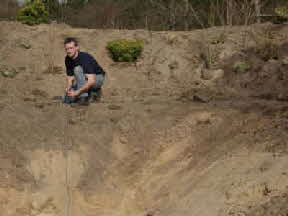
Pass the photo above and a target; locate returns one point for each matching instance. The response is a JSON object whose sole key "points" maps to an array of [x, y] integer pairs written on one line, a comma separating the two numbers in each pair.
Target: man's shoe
{"points": [[83, 101], [68, 100], [96, 95]]}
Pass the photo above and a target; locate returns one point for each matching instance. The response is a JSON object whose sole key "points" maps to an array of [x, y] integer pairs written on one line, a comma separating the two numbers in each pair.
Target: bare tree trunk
{"points": [[257, 10], [186, 23], [229, 12], [172, 15]]}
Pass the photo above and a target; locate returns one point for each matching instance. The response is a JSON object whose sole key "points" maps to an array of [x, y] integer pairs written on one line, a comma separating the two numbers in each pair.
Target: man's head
{"points": [[71, 47]]}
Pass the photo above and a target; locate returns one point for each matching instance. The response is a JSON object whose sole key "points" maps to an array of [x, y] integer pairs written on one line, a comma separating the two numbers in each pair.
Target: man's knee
{"points": [[99, 80]]}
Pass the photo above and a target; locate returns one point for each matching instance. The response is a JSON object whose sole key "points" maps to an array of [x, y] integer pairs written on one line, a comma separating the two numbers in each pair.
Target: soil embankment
{"points": [[198, 126]]}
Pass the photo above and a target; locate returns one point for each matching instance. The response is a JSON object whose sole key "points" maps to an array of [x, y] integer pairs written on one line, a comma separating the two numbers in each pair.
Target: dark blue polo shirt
{"points": [[86, 61]]}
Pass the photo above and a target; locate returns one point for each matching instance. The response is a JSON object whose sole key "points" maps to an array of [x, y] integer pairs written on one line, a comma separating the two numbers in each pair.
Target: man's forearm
{"points": [[85, 88], [69, 84], [91, 78]]}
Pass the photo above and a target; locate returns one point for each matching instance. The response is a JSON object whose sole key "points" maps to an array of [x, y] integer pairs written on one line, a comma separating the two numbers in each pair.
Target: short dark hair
{"points": [[71, 39]]}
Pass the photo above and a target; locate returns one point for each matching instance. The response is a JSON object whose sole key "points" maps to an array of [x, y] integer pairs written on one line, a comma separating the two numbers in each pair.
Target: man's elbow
{"points": [[70, 78]]}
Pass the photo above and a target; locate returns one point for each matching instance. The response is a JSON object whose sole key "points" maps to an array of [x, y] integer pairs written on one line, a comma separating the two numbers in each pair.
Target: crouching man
{"points": [[85, 76]]}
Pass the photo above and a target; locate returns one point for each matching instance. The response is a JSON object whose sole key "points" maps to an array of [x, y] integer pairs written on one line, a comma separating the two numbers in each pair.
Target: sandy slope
{"points": [[169, 137]]}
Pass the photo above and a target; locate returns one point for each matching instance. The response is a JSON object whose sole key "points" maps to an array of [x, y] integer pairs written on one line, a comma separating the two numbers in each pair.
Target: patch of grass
{"points": [[7, 71], [124, 50], [241, 67], [219, 39], [209, 54], [268, 50], [266, 44]]}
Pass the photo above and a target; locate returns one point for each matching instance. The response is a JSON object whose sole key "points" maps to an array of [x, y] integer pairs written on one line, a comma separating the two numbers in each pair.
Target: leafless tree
{"points": [[257, 10]]}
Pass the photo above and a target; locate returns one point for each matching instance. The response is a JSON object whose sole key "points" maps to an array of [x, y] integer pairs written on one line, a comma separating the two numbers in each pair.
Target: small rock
{"points": [[285, 61], [24, 44], [173, 65], [114, 107], [171, 38], [200, 98]]}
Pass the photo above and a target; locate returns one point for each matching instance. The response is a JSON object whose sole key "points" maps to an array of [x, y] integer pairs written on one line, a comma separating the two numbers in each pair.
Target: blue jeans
{"points": [[80, 82]]}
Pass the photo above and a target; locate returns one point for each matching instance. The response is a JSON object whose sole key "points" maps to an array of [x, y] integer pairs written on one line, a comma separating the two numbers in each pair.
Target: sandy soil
{"points": [[178, 133]]}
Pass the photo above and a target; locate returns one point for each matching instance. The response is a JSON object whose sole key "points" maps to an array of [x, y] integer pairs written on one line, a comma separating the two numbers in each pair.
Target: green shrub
{"points": [[123, 50], [282, 11], [282, 14], [33, 13]]}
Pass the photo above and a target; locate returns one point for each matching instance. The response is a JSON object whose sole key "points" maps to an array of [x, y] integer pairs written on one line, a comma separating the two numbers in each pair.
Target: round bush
{"points": [[33, 13], [123, 50], [282, 11]]}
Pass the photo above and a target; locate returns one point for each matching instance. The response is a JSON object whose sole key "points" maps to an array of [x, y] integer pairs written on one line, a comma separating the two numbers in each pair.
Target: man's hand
{"points": [[72, 93], [67, 89]]}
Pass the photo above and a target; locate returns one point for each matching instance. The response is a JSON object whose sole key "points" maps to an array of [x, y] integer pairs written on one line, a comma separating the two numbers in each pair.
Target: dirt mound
{"points": [[198, 126]]}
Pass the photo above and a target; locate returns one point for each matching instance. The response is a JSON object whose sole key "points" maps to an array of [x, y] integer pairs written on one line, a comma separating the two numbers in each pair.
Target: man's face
{"points": [[71, 49]]}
